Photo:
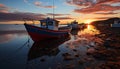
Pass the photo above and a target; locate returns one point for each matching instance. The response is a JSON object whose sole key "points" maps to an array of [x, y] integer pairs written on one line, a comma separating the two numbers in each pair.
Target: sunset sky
{"points": [[14, 11]]}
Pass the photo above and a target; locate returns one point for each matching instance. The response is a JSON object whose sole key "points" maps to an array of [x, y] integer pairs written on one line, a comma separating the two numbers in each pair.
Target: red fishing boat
{"points": [[47, 30]]}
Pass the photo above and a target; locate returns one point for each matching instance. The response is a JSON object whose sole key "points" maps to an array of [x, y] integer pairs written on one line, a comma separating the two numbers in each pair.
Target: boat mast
{"points": [[33, 22], [53, 10]]}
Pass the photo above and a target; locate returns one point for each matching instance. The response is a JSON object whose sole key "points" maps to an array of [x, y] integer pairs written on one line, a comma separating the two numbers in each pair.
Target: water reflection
{"points": [[90, 30], [6, 36], [74, 32], [85, 37], [89, 34], [45, 48]]}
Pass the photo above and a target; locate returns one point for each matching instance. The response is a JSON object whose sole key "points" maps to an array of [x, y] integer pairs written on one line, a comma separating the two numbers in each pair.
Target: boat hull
{"points": [[38, 34], [115, 25]]}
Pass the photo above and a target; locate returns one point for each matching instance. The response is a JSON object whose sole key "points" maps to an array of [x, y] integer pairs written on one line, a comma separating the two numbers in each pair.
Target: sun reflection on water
{"points": [[90, 30], [85, 37]]}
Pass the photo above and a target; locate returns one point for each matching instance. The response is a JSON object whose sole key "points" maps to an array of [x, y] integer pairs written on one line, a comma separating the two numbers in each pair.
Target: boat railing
{"points": [[28, 19]]}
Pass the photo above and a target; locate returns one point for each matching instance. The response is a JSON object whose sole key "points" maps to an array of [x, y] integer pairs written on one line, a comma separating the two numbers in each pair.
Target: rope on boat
{"points": [[26, 43]]}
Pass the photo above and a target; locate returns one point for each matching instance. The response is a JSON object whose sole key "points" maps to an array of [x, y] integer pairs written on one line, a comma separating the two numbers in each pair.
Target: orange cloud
{"points": [[108, 1], [6, 15], [106, 13], [63, 18], [89, 2], [40, 4], [3, 8], [19, 16], [51, 14], [79, 3], [102, 18], [37, 3], [97, 8], [92, 6]]}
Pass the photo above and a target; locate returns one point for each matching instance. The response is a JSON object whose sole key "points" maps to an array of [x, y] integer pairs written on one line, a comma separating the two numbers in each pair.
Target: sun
{"points": [[88, 21]]}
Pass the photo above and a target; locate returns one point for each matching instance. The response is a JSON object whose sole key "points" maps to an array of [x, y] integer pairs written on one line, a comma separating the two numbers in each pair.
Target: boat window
{"points": [[56, 24], [43, 24], [50, 23]]}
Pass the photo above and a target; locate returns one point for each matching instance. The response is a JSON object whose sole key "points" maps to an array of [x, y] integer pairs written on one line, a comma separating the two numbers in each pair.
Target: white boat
{"points": [[74, 25], [116, 24]]}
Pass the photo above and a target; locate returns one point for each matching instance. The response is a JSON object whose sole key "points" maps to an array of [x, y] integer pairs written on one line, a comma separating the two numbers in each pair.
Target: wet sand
{"points": [[102, 54], [109, 50]]}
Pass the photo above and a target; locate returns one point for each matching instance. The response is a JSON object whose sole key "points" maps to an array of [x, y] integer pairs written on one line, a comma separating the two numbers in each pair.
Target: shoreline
{"points": [[108, 51]]}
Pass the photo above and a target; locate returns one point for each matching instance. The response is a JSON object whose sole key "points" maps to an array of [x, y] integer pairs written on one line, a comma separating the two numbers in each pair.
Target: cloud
{"points": [[102, 18], [51, 14], [26, 1], [4, 8], [63, 18], [37, 3], [89, 2], [40, 4], [92, 6], [6, 15], [106, 13], [116, 4], [97, 8], [19, 16], [107, 1], [80, 3]]}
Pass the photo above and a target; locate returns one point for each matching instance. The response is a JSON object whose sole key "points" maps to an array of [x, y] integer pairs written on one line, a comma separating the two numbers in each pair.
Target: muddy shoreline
{"points": [[107, 51]]}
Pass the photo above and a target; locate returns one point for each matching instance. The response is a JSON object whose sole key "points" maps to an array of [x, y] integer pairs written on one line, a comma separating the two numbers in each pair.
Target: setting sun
{"points": [[88, 21]]}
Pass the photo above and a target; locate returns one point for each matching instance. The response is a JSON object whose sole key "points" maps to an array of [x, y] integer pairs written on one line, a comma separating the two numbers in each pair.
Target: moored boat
{"points": [[116, 24], [47, 30], [74, 25]]}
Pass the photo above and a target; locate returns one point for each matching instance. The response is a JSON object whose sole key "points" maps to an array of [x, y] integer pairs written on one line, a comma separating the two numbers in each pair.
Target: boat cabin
{"points": [[49, 23], [74, 25], [74, 22]]}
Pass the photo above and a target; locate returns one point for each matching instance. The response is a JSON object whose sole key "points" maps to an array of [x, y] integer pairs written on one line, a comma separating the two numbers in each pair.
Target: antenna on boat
{"points": [[33, 22], [53, 9], [24, 19]]}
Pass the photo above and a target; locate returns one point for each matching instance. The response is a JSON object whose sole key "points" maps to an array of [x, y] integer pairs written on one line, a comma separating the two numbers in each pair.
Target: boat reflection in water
{"points": [[46, 47]]}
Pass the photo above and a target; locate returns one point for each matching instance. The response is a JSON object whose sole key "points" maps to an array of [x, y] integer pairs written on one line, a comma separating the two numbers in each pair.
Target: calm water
{"points": [[18, 51]]}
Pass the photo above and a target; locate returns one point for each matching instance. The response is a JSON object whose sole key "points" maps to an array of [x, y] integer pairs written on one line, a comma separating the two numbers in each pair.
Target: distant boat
{"points": [[16, 24], [43, 48], [74, 25], [47, 30], [116, 24]]}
